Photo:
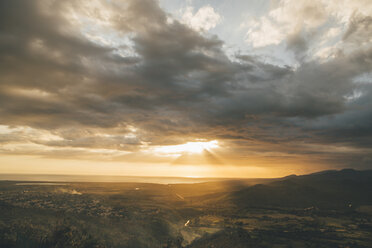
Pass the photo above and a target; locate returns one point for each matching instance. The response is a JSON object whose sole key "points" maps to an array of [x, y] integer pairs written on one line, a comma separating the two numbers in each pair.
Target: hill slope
{"points": [[328, 189]]}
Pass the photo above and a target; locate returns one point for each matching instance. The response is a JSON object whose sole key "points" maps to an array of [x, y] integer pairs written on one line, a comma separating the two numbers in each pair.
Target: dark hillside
{"points": [[330, 189]]}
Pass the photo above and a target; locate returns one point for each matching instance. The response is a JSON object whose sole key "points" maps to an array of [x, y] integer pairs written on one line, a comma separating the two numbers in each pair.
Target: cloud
{"points": [[359, 30], [112, 80], [204, 19], [285, 18], [263, 33], [308, 28]]}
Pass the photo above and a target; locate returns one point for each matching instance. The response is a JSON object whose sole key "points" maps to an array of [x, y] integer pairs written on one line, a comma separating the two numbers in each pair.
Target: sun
{"points": [[189, 147]]}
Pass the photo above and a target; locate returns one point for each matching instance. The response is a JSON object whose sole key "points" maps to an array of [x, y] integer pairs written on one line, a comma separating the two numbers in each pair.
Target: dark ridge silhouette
{"points": [[328, 189]]}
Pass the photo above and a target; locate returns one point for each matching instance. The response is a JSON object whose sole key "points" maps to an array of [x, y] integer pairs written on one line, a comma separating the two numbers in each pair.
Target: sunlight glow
{"points": [[189, 147]]}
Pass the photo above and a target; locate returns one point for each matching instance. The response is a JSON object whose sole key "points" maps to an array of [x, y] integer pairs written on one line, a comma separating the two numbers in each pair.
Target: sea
{"points": [[104, 178]]}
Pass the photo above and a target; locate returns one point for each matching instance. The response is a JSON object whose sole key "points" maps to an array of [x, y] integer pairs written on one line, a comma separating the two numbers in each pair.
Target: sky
{"points": [[194, 88]]}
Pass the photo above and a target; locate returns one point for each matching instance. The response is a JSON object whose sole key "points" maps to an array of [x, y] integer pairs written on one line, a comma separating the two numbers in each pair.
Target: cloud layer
{"points": [[113, 79]]}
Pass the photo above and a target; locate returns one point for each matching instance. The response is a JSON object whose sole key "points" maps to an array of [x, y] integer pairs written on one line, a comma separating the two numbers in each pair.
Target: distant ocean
{"points": [[98, 178]]}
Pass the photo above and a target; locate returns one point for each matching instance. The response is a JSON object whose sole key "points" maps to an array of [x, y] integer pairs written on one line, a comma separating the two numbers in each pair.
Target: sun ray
{"points": [[189, 147]]}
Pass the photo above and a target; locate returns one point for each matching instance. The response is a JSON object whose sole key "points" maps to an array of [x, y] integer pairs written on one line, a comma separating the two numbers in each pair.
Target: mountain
{"points": [[329, 190]]}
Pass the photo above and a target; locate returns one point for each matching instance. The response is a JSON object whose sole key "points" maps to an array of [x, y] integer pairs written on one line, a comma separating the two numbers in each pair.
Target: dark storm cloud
{"points": [[175, 84]]}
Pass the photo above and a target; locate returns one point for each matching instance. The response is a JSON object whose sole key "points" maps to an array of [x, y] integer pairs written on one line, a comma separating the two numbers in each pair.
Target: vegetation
{"points": [[329, 209]]}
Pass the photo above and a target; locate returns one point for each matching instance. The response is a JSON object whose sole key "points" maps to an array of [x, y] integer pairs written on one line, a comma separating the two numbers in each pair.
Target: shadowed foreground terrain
{"points": [[326, 209]]}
